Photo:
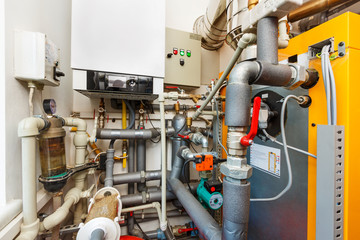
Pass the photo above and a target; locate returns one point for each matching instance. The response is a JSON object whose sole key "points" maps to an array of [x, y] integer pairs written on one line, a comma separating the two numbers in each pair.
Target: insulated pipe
{"points": [[135, 177], [28, 129], [206, 224], [109, 180], [163, 221], [238, 93], [126, 133], [235, 209], [313, 7], [273, 75], [141, 161], [267, 40], [244, 41]]}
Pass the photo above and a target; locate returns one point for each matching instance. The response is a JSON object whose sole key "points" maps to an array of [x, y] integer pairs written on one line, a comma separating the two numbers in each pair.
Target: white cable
{"points": [[326, 79], [333, 92], [31, 94], [282, 126], [273, 139], [98, 156]]}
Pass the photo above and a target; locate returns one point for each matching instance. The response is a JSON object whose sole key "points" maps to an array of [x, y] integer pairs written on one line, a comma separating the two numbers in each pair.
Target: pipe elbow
{"points": [[244, 72], [204, 142], [79, 123], [29, 127], [246, 39]]}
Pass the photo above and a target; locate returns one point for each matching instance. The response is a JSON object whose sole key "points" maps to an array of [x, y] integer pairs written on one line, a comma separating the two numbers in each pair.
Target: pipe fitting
{"points": [[243, 172], [30, 231], [234, 136], [29, 127], [74, 193]]}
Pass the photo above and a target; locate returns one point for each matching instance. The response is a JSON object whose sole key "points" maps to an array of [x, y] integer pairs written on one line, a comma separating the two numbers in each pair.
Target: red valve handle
{"points": [[171, 87], [182, 230], [248, 139], [183, 136]]}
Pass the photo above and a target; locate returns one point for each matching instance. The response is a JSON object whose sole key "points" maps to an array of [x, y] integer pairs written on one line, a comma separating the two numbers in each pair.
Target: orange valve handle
{"points": [[248, 139]]}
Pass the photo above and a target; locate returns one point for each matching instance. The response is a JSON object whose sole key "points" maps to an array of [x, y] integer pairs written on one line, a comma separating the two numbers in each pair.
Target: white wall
{"points": [[51, 17]]}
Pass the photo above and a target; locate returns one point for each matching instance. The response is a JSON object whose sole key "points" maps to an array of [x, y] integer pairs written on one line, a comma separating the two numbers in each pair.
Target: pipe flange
{"points": [[298, 75], [241, 173]]}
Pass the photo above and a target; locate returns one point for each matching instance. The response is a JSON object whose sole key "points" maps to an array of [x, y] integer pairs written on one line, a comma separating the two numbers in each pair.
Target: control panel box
{"points": [[36, 58], [183, 59]]}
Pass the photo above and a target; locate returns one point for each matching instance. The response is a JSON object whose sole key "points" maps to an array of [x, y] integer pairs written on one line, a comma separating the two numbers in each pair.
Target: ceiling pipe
{"points": [[313, 7]]}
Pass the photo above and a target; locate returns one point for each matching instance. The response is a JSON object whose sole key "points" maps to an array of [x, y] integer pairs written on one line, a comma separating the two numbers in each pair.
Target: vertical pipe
{"points": [[109, 179], [267, 40], [163, 222], [56, 204], [141, 161], [29, 180], [131, 188], [235, 209]]}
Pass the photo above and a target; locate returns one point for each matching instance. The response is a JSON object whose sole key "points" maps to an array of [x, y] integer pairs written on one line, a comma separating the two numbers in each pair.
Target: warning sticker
{"points": [[266, 159]]}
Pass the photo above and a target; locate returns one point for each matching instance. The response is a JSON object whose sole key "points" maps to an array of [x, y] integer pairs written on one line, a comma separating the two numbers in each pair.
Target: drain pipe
{"points": [[28, 129]]}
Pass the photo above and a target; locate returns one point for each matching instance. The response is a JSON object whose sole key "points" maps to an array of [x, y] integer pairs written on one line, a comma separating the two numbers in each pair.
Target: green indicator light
{"points": [[182, 52], [188, 53]]}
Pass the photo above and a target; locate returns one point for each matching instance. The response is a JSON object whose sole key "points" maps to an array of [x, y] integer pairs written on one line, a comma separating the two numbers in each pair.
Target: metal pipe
{"points": [[126, 133], [273, 75], [135, 177], [235, 209], [245, 40], [141, 161], [109, 180], [212, 25], [267, 40], [131, 187], [206, 224], [313, 7], [153, 196]]}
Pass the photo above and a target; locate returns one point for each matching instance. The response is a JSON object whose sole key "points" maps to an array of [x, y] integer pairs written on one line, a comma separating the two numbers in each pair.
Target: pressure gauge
{"points": [[49, 106]]}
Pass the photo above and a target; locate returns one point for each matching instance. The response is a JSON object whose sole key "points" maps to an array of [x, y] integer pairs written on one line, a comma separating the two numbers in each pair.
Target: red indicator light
{"points": [[175, 51], [212, 189]]}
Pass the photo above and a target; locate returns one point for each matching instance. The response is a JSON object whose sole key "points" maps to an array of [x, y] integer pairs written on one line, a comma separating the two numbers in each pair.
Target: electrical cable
{"points": [[273, 139], [143, 233], [183, 173], [326, 79], [282, 126], [153, 141], [333, 92], [98, 155], [131, 115]]}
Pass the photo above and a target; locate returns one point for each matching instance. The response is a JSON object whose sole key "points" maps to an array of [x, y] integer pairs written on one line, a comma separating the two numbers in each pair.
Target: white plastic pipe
{"points": [[155, 205], [71, 198], [29, 128], [163, 221], [80, 142], [284, 38], [9, 211]]}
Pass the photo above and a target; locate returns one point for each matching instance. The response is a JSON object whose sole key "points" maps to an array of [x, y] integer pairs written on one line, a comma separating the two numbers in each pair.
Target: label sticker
{"points": [[266, 159]]}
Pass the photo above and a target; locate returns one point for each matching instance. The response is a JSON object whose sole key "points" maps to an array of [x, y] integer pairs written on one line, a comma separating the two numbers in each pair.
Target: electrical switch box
{"points": [[36, 59], [183, 59]]}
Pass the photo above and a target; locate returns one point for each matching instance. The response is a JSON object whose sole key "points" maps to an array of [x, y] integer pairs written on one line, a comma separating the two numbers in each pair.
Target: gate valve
{"points": [[248, 139], [184, 136]]}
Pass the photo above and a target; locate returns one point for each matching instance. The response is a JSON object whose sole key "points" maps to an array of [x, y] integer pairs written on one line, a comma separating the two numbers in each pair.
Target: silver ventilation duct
{"points": [[212, 25]]}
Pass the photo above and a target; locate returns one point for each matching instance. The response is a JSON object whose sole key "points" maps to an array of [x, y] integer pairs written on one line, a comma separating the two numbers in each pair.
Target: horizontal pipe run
{"points": [[206, 224], [313, 7], [126, 133], [134, 177], [273, 75], [151, 196]]}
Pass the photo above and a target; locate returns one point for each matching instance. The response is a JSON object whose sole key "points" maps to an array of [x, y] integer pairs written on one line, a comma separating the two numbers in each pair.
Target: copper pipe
{"points": [[252, 4], [313, 7]]}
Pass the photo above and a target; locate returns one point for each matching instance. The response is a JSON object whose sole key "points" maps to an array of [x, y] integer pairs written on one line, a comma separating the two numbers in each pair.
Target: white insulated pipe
{"points": [[163, 221], [155, 205], [28, 129], [284, 38]]}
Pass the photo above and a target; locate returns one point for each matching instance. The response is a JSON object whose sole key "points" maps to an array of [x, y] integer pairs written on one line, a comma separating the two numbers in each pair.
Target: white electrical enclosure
{"points": [[35, 58], [119, 36]]}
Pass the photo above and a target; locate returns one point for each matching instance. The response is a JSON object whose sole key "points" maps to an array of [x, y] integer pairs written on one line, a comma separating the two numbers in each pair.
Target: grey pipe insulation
{"points": [[134, 177]]}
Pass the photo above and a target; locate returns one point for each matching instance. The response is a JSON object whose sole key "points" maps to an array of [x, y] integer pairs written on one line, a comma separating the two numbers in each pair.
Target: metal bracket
{"points": [[341, 49]]}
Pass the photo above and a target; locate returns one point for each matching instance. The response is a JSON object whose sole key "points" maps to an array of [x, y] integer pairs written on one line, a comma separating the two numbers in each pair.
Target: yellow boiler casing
{"points": [[344, 28]]}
